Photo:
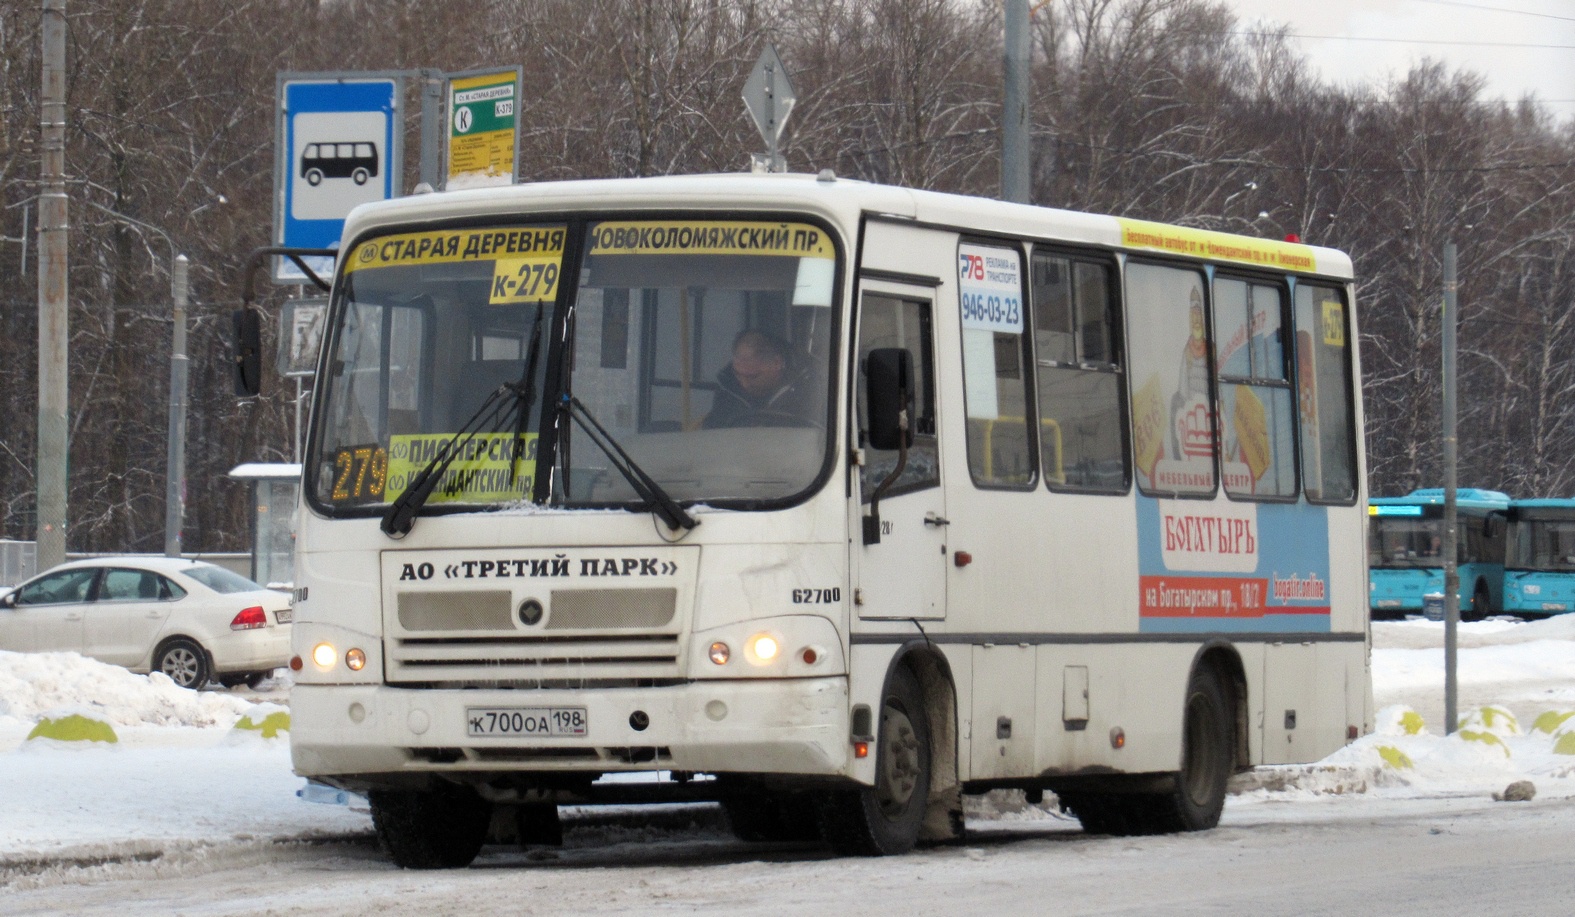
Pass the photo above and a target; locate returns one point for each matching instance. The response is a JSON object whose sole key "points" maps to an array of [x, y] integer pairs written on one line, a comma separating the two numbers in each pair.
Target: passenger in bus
{"points": [[759, 387]]}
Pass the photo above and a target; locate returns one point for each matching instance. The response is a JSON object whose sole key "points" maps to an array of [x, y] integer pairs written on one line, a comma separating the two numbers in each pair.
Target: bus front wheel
{"points": [[441, 828], [884, 820], [1481, 604]]}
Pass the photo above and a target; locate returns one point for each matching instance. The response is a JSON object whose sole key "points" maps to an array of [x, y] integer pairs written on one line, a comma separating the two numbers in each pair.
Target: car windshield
{"points": [[221, 580], [702, 348]]}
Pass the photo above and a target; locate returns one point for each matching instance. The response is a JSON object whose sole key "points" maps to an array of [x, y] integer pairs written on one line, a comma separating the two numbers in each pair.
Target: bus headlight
{"points": [[324, 655], [776, 647], [762, 649]]}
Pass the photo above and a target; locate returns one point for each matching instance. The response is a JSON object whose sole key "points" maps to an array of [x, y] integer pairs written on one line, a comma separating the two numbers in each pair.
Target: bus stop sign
{"points": [[337, 147]]}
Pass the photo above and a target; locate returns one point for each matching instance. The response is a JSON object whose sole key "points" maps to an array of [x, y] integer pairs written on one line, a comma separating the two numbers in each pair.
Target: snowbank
{"points": [[34, 685]]}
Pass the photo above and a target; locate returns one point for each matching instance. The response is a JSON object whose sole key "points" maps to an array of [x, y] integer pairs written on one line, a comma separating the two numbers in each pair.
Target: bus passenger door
{"points": [[904, 574]]}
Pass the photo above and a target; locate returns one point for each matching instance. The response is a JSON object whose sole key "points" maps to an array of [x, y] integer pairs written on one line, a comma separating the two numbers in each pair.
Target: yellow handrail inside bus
{"points": [[1045, 423]]}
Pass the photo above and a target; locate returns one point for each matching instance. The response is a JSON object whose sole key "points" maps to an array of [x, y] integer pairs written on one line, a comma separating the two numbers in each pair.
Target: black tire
{"points": [[1481, 604], [770, 817], [314, 177], [1117, 814], [359, 176], [1090, 809], [184, 662], [884, 819], [1207, 759], [537, 824], [442, 828], [249, 679]]}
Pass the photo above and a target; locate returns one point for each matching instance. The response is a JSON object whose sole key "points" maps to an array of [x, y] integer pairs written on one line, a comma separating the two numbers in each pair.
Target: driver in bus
{"points": [[758, 388]]}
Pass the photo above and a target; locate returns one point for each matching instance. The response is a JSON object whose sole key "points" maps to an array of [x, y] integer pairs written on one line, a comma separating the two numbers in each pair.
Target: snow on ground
{"points": [[181, 777]]}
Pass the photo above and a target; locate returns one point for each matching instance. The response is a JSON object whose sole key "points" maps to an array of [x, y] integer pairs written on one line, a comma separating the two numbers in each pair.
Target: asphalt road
{"points": [[1284, 854]]}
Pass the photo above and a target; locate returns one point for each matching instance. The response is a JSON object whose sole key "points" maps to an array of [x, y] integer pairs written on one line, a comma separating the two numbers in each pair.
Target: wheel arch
{"points": [[1222, 657], [943, 818], [164, 644]]}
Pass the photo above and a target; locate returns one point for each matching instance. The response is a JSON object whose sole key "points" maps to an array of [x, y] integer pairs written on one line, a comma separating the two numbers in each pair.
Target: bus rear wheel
{"points": [[884, 820], [441, 828], [1207, 759], [1208, 737]]}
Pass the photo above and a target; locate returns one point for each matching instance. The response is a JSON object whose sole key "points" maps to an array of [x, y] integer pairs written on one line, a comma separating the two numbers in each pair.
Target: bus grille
{"points": [[534, 618], [528, 661]]}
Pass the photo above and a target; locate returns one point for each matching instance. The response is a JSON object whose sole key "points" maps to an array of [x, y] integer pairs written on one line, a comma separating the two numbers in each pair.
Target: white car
{"points": [[193, 621]]}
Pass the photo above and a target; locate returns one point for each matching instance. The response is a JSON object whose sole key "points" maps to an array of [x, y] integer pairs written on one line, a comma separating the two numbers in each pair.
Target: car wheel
{"points": [[249, 679], [184, 662]]}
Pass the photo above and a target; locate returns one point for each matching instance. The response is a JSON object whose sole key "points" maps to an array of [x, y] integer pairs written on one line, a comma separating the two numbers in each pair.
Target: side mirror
{"points": [[247, 328], [8, 600], [888, 389]]}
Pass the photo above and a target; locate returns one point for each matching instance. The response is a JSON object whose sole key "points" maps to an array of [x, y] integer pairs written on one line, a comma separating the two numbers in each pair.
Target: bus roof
{"points": [[1544, 506], [848, 200], [1465, 498]]}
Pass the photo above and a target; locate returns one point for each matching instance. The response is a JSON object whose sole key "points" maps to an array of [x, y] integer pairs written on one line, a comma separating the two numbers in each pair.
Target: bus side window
{"points": [[1077, 346], [1256, 412], [995, 377], [1173, 438], [1323, 380], [886, 321]]}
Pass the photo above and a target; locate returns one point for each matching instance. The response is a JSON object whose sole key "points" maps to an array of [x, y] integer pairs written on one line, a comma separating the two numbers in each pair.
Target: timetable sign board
{"points": [[483, 129]]}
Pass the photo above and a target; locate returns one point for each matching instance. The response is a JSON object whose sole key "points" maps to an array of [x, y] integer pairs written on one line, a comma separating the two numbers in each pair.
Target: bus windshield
{"points": [[701, 348], [1404, 542], [1544, 544]]}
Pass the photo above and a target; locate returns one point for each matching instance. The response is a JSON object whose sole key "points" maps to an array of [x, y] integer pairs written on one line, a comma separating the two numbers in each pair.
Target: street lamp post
{"points": [[175, 447], [175, 450]]}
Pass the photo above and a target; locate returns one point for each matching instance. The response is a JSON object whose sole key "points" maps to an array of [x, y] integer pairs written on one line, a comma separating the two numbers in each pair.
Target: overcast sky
{"points": [[1520, 46]]}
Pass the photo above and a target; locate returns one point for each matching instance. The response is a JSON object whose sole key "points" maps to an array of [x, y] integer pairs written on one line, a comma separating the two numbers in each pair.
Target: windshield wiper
{"points": [[493, 414], [518, 397], [658, 499]]}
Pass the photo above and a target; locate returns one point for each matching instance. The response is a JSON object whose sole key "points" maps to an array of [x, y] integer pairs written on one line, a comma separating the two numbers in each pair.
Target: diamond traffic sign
{"points": [[769, 96]]}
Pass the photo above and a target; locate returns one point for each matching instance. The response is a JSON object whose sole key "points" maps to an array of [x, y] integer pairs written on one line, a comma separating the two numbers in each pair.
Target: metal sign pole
{"points": [[175, 451], [1451, 536], [1014, 117]]}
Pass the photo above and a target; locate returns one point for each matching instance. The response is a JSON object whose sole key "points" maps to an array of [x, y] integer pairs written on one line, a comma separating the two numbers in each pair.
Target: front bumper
{"points": [[375, 734]]}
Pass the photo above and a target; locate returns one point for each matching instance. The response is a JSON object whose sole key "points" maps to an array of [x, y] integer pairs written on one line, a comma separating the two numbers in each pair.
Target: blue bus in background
{"points": [[1403, 558], [1539, 558]]}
